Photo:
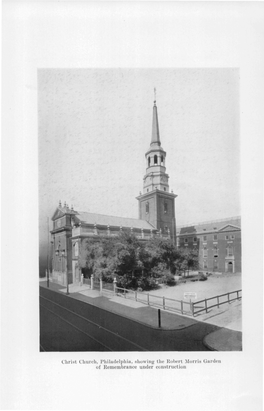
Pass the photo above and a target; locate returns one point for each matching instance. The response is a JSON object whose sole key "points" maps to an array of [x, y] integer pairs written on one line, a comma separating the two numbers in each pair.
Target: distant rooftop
{"points": [[208, 225], [210, 221]]}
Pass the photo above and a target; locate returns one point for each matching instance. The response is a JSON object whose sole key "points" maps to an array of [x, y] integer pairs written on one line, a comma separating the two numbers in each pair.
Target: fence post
{"points": [[192, 308], [92, 282], [101, 286], [135, 295], [148, 298], [237, 295], [217, 302], [205, 302], [159, 318], [164, 303], [228, 298], [114, 283], [181, 306]]}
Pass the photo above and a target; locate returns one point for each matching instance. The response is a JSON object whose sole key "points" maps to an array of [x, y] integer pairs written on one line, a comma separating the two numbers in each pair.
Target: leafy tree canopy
{"points": [[134, 263]]}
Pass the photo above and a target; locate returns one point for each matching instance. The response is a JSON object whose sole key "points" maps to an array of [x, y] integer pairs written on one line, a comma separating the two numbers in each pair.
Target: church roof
{"points": [[101, 219]]}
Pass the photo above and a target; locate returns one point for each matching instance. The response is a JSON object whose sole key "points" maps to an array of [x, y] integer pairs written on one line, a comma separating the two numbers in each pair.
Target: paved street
{"points": [[177, 333]]}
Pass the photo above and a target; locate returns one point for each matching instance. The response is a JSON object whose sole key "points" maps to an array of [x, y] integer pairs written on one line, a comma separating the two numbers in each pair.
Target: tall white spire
{"points": [[155, 137]]}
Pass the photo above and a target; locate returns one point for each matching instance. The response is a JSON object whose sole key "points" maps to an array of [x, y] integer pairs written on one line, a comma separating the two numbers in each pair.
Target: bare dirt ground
{"points": [[227, 315], [215, 285]]}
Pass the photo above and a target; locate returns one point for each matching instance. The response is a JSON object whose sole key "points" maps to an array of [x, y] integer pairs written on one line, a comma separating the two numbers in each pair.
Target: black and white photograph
{"points": [[140, 278], [132, 205]]}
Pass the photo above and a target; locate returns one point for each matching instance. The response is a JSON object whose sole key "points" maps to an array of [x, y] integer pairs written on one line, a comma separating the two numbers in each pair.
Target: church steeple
{"points": [[155, 137], [156, 177], [156, 204]]}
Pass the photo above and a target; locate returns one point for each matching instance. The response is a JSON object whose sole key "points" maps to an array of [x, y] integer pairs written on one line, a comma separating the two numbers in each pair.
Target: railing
{"points": [[170, 304], [205, 305], [96, 284], [152, 300]]}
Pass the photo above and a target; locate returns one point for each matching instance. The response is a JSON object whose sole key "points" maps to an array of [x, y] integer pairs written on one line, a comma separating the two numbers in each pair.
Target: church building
{"points": [[218, 242], [156, 216]]}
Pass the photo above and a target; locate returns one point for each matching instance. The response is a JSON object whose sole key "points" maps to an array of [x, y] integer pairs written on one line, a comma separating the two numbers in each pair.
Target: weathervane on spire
{"points": [[155, 95]]}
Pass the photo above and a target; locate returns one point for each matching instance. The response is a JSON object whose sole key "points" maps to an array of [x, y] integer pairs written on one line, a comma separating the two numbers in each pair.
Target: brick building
{"points": [[218, 243]]}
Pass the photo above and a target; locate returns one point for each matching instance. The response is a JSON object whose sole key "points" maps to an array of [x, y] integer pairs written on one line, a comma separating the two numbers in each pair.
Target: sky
{"points": [[95, 128]]}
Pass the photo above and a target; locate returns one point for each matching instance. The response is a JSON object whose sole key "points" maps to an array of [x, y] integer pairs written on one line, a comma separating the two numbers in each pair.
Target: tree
{"points": [[133, 262], [164, 252], [130, 265], [98, 257], [190, 260], [119, 257]]}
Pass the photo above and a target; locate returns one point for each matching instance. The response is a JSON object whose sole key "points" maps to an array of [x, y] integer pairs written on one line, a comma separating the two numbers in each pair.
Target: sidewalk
{"points": [[149, 316], [224, 340]]}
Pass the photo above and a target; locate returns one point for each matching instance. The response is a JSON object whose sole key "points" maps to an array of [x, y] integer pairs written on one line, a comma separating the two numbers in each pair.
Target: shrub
{"points": [[168, 279], [202, 277], [147, 283]]}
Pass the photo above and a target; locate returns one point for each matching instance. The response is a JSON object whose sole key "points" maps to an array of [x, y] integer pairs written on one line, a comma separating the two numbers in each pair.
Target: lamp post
{"points": [[62, 254]]}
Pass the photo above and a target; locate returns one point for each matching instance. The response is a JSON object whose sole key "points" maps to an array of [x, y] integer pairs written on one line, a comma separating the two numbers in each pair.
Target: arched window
{"points": [[161, 160], [149, 161], [155, 159], [165, 208], [147, 208]]}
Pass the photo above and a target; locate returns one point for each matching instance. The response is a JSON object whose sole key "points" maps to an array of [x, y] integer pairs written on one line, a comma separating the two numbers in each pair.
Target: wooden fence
{"points": [[207, 303], [170, 304]]}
